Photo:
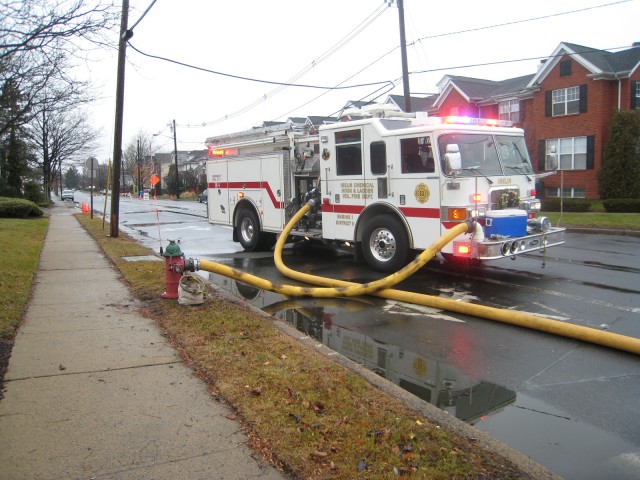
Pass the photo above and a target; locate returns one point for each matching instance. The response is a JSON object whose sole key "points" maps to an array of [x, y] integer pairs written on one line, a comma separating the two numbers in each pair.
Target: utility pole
{"points": [[175, 154], [125, 35], [403, 52]]}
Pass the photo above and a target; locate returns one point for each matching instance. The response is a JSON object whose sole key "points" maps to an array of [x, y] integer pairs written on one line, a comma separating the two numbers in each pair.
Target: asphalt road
{"points": [[571, 406]]}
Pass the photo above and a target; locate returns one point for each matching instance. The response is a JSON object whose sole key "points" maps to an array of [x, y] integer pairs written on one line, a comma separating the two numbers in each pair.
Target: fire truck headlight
{"points": [[475, 214], [531, 205]]}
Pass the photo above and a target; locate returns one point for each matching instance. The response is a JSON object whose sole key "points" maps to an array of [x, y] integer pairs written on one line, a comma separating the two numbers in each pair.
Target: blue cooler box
{"points": [[506, 223]]}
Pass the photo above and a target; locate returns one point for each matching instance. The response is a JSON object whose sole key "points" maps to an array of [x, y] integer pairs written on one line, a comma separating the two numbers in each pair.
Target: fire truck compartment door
{"points": [[346, 187], [218, 192], [272, 192]]}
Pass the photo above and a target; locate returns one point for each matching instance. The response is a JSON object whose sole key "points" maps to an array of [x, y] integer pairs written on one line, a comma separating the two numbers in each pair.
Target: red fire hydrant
{"points": [[174, 262]]}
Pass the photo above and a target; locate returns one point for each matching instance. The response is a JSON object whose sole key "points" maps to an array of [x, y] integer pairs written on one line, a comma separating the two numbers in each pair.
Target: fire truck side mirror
{"points": [[553, 158], [452, 158]]}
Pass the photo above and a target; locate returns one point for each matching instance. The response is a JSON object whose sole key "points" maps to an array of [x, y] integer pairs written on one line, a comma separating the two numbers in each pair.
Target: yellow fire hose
{"points": [[585, 334], [381, 288]]}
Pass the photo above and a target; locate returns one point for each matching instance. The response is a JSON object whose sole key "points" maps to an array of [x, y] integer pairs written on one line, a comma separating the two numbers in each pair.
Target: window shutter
{"points": [[583, 98], [547, 103], [634, 100], [542, 153], [591, 142]]}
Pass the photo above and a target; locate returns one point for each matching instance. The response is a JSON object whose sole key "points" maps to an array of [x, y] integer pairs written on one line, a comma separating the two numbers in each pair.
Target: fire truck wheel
{"points": [[385, 244], [248, 229]]}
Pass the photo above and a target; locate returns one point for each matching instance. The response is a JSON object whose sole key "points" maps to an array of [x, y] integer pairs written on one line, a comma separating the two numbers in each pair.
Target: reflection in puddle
{"points": [[436, 382]]}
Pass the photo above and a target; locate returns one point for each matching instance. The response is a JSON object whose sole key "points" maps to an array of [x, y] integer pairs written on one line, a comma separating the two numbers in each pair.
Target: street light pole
{"points": [[175, 153]]}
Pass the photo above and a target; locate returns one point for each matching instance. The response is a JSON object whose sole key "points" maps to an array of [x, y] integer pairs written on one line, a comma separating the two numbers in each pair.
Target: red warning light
{"points": [[463, 249]]}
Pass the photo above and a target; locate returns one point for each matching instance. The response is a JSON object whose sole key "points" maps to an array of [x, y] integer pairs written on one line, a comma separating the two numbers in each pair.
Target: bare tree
{"points": [[37, 39], [137, 158], [61, 137]]}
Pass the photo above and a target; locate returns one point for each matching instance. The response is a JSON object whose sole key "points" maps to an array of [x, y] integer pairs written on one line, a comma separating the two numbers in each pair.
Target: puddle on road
{"points": [[434, 381]]}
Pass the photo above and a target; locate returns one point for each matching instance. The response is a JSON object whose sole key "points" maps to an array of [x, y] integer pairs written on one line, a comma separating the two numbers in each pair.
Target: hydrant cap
{"points": [[173, 250]]}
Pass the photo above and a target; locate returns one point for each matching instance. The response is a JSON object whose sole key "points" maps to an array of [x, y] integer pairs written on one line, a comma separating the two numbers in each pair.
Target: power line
{"points": [[250, 79], [500, 62], [290, 83], [143, 15], [515, 22]]}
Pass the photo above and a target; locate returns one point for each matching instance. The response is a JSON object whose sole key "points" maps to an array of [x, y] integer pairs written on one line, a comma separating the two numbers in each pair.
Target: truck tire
{"points": [[248, 229], [385, 244]]}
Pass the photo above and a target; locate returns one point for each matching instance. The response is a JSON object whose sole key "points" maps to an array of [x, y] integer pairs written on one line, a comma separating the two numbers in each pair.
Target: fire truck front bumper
{"points": [[499, 247]]}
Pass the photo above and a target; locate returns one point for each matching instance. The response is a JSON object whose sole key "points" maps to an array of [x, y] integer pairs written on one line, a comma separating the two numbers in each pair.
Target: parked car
{"points": [[67, 195], [202, 198]]}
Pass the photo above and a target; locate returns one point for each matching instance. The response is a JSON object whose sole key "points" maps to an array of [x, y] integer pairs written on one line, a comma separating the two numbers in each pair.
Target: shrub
{"points": [[18, 208], [568, 205], [619, 176], [33, 192], [622, 205]]}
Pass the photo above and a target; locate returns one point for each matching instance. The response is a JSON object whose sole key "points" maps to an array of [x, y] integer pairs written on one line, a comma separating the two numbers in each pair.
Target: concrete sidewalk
{"points": [[93, 390]]}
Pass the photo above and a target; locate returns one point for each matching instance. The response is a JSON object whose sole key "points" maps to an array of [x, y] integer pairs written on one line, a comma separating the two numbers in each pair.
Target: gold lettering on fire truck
{"points": [[356, 190], [344, 219], [419, 366], [422, 193], [504, 181]]}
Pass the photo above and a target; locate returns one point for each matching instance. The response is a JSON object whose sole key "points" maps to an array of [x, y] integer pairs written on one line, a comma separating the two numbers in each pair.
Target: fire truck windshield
{"points": [[513, 154], [486, 153]]}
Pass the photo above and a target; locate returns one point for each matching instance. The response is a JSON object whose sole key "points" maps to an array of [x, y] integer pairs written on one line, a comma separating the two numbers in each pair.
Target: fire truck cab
{"points": [[386, 184]]}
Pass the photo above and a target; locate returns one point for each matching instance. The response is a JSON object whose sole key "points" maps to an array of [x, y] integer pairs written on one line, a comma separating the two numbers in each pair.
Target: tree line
{"points": [[43, 119]]}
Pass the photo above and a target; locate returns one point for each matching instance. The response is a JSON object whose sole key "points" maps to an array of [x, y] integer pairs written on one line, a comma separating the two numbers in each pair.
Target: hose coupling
{"points": [[192, 264], [471, 225]]}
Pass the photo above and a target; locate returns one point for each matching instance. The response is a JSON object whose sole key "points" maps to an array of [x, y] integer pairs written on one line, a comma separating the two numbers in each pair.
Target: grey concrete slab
{"points": [[72, 317], [88, 350], [49, 291]]}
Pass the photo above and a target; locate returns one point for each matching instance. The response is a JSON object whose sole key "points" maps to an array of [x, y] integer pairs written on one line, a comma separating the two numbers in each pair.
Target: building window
{"points": [[509, 110], [565, 68], [571, 153], [635, 96], [567, 192], [566, 101], [348, 152]]}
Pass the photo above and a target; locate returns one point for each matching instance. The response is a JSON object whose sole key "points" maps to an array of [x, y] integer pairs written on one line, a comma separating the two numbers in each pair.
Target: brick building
{"points": [[565, 107]]}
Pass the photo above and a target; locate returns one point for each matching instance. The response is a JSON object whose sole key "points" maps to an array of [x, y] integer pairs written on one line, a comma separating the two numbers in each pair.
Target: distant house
{"points": [[418, 104], [566, 107]]}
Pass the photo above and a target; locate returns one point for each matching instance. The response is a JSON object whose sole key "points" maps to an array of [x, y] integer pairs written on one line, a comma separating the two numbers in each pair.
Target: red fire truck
{"points": [[386, 183]]}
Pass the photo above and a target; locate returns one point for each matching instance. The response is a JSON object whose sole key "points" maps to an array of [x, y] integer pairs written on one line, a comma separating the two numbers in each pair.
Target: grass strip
{"points": [[614, 221], [21, 241]]}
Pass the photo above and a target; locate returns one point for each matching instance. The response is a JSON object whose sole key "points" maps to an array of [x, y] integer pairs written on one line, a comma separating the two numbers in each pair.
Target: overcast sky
{"points": [[326, 43]]}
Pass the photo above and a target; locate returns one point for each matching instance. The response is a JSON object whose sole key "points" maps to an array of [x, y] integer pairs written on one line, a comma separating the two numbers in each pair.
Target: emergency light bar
{"points": [[461, 120], [222, 152]]}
